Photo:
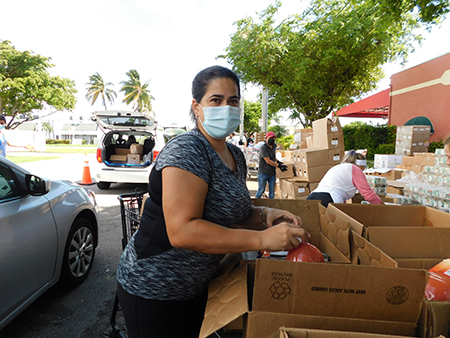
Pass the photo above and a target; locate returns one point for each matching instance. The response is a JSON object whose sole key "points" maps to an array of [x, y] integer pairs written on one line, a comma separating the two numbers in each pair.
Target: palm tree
{"points": [[136, 93], [97, 87]]}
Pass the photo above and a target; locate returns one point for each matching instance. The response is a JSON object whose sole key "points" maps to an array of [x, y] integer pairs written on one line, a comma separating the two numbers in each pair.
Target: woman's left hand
{"points": [[275, 216]]}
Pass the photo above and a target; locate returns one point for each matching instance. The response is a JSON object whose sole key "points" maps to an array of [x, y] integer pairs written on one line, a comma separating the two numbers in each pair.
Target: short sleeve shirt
{"points": [[264, 167], [180, 274]]}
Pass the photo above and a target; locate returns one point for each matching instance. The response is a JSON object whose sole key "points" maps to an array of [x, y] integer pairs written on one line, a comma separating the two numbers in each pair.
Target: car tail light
{"points": [[155, 153], [99, 155]]}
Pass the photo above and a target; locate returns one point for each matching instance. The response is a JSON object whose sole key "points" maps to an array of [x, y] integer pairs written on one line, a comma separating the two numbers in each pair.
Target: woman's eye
{"points": [[234, 103]]}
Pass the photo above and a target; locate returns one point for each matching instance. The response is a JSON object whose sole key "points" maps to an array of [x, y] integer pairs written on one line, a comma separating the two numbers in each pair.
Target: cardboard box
{"points": [[390, 174], [437, 319], [286, 332], [313, 157], [395, 187], [285, 174], [335, 156], [327, 126], [382, 161], [294, 188], [287, 156], [314, 174], [122, 151], [329, 296], [407, 160], [118, 158], [310, 141], [329, 141], [424, 232], [258, 137], [424, 159], [301, 135], [133, 158], [136, 148]]}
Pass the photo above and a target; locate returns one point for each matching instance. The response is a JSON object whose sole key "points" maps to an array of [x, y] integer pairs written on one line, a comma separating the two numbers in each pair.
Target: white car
{"points": [[123, 128], [48, 233], [124, 133]]}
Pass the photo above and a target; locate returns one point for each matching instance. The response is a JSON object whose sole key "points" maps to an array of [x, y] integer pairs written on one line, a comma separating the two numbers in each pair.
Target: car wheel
{"points": [[79, 253], [103, 185]]}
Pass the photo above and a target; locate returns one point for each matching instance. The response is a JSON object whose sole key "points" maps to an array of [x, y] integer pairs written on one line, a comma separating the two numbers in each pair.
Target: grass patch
{"points": [[70, 150], [23, 159]]}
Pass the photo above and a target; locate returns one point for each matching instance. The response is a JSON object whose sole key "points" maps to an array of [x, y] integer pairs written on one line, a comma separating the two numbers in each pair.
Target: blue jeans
{"points": [[262, 180]]}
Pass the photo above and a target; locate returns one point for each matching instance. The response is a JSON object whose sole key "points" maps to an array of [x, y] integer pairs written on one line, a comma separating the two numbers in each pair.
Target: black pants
{"points": [[147, 318], [323, 197]]}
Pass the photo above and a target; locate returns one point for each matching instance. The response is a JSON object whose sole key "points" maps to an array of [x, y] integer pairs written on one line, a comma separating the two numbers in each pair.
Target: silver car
{"points": [[48, 233]]}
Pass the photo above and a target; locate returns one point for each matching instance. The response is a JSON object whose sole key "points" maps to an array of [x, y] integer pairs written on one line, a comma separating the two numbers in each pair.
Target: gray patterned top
{"points": [[179, 274]]}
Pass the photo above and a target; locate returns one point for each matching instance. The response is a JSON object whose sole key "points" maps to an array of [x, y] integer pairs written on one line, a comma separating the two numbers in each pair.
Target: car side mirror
{"points": [[36, 186]]}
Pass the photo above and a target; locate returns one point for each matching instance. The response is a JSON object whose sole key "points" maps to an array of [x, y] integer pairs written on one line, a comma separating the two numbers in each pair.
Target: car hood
{"points": [[124, 120]]}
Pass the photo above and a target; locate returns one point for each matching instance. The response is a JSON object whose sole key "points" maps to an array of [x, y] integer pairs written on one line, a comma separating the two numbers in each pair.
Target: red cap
{"points": [[271, 134]]}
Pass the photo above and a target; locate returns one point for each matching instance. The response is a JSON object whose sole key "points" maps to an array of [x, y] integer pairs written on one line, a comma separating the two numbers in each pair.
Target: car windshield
{"points": [[127, 121]]}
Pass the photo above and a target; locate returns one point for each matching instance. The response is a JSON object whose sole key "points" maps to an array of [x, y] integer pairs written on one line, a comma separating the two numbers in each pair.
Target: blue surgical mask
{"points": [[2, 126], [220, 122]]}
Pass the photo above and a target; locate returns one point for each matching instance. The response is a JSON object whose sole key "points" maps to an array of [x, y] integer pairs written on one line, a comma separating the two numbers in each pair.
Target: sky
{"points": [[167, 42]]}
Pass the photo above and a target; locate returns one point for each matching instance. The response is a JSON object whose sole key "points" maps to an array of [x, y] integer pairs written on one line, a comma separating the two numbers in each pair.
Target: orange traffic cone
{"points": [[86, 179]]}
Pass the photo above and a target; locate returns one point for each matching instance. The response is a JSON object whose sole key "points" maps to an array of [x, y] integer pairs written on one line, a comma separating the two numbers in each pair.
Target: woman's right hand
{"points": [[282, 237]]}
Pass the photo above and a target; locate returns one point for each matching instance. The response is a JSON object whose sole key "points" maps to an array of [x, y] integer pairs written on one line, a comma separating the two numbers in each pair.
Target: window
{"points": [[8, 183]]}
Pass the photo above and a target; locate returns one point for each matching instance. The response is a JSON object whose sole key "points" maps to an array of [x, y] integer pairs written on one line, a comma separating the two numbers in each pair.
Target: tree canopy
{"points": [[317, 62], [136, 93], [96, 88], [27, 87]]}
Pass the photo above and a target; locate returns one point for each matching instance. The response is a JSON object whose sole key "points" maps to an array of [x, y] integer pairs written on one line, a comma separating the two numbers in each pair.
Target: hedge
{"points": [[379, 139]]}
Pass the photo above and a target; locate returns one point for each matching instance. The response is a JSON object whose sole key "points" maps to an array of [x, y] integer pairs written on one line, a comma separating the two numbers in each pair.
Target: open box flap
{"points": [[416, 242], [365, 253], [336, 230], [227, 300]]}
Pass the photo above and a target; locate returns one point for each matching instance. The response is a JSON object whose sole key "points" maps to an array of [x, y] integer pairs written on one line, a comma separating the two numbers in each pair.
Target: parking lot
{"points": [[83, 312]]}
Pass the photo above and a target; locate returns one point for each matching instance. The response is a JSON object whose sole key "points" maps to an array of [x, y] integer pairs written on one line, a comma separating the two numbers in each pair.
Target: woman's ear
{"points": [[195, 108]]}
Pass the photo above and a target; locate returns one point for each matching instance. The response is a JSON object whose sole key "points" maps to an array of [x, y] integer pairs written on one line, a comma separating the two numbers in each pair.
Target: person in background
{"points": [[267, 165], [232, 139], [447, 149], [341, 182], [250, 143], [199, 208], [3, 141]]}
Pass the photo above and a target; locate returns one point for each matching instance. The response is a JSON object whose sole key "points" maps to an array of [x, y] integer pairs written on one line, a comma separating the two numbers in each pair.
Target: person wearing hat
{"points": [[267, 165]]}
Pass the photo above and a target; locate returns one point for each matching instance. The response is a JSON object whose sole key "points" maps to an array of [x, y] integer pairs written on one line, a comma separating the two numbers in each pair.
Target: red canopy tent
{"points": [[374, 106]]}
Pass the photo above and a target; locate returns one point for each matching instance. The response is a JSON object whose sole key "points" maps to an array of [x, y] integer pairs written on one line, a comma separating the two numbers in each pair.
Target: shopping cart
{"points": [[130, 211], [252, 162]]}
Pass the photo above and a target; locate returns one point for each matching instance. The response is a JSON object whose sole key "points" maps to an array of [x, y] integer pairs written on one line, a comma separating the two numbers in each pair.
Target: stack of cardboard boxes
{"points": [[259, 137], [417, 162], [412, 139], [300, 136], [132, 155], [325, 149]]}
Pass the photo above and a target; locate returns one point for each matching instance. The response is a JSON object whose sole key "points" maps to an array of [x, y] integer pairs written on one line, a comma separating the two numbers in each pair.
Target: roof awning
{"points": [[374, 106]]}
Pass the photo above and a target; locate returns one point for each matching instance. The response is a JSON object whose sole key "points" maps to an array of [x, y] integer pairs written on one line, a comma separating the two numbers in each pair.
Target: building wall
{"points": [[420, 91]]}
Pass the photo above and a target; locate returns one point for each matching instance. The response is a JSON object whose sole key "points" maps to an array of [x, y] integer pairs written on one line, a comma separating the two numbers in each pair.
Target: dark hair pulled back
{"points": [[204, 77]]}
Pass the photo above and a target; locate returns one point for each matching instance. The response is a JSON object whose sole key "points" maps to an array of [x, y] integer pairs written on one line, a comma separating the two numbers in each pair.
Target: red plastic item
{"points": [[438, 287], [305, 253]]}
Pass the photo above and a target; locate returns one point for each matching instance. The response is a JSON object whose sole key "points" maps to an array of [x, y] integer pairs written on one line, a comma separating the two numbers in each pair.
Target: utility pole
{"points": [[264, 106]]}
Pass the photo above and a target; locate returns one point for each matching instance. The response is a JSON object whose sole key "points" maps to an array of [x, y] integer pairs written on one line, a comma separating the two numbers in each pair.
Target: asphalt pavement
{"points": [[85, 311]]}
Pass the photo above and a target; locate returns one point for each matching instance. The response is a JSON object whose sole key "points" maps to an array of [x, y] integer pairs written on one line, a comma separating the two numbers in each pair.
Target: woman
{"points": [[198, 197], [341, 182]]}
